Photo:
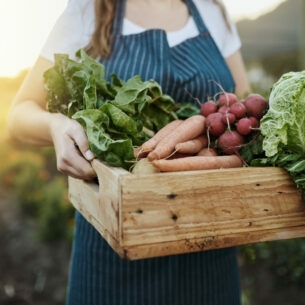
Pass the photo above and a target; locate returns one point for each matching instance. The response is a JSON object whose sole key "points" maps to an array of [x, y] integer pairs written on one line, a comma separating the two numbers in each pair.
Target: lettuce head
{"points": [[283, 126]]}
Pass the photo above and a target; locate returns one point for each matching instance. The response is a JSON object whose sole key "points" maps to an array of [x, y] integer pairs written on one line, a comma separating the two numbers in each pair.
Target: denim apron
{"points": [[98, 276]]}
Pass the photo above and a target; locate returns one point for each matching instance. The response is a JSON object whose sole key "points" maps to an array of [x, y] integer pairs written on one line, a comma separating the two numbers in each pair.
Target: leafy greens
{"points": [[115, 114], [283, 127]]}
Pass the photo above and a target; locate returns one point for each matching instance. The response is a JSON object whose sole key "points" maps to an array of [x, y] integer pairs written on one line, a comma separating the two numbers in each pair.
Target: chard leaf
{"points": [[120, 119], [114, 151]]}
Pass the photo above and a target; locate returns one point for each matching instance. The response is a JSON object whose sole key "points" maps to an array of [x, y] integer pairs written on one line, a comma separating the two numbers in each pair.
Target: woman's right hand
{"points": [[71, 146]]}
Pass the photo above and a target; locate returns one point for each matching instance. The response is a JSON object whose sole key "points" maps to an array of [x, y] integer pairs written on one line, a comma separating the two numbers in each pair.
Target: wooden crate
{"points": [[172, 213]]}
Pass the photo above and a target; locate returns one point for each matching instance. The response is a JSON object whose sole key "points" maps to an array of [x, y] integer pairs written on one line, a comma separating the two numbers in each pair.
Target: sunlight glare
{"points": [[24, 26]]}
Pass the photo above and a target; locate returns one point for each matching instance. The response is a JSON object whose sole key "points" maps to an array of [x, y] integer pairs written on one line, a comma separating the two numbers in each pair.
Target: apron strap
{"points": [[196, 16], [119, 17]]}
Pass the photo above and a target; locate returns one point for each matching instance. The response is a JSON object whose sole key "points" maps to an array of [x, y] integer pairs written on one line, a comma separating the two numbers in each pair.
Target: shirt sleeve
{"points": [[72, 30], [226, 39]]}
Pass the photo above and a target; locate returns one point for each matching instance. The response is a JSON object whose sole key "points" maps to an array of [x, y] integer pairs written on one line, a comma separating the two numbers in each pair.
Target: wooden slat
{"points": [[203, 203], [209, 243], [171, 213]]}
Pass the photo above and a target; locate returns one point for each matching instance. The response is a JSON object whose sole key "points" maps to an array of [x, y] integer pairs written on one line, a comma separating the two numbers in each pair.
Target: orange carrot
{"points": [[207, 151], [150, 144], [193, 146], [198, 163], [189, 129]]}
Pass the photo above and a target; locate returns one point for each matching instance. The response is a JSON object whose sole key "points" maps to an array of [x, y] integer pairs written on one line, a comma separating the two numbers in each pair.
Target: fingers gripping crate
{"points": [[143, 216]]}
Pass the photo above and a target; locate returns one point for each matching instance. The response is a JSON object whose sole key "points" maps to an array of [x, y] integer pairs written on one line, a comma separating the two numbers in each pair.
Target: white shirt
{"points": [[74, 27]]}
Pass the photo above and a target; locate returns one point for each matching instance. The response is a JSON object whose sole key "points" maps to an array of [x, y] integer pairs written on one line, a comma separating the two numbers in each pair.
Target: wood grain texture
{"points": [[161, 214]]}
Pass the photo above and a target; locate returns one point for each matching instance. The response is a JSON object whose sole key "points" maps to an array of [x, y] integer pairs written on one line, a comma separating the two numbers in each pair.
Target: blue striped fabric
{"points": [[101, 277], [194, 68]]}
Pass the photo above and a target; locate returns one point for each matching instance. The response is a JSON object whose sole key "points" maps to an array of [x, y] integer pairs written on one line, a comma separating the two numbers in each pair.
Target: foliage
{"points": [[40, 192], [114, 114], [285, 260]]}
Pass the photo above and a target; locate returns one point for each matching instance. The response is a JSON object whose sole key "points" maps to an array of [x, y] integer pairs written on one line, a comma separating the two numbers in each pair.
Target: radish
{"points": [[256, 105], [230, 142], [214, 124], [244, 126], [227, 99], [254, 121], [228, 118], [144, 167], [208, 107], [238, 109], [223, 109]]}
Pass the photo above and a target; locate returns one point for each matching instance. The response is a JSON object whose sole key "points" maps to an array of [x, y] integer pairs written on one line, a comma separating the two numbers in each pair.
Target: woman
{"points": [[190, 47]]}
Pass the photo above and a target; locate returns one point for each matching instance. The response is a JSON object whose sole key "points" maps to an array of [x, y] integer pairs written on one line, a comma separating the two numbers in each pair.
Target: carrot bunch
{"points": [[182, 145]]}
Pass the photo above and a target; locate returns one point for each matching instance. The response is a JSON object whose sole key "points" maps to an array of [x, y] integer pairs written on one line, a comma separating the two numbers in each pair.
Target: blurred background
{"points": [[36, 218]]}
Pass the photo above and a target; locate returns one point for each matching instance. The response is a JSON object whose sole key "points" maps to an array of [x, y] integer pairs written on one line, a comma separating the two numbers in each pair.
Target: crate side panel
{"points": [[169, 207]]}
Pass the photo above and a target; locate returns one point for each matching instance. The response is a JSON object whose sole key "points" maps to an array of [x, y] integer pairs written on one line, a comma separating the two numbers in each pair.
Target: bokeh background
{"points": [[36, 218]]}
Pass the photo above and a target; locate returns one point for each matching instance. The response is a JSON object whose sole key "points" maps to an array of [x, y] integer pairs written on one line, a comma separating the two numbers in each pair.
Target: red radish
{"points": [[214, 124], [238, 109], [244, 126], [254, 121], [223, 109], [230, 142], [256, 105], [228, 118], [208, 108], [227, 99]]}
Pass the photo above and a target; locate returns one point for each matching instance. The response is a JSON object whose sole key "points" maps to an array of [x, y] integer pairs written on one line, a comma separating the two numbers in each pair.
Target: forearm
{"points": [[239, 73], [28, 123]]}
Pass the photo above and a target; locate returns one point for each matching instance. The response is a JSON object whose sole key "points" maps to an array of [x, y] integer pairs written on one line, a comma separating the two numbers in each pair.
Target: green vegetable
{"points": [[283, 127], [114, 114]]}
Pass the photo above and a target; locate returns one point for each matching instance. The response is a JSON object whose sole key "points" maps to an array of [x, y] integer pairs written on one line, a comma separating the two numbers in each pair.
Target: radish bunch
{"points": [[230, 122]]}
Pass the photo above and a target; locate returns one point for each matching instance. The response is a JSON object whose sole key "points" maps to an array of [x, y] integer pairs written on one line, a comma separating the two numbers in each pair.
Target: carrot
{"points": [[189, 129], [192, 146], [198, 163], [149, 145], [207, 151]]}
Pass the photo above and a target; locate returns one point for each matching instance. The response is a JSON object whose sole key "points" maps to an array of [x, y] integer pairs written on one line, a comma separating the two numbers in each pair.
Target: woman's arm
{"points": [[29, 122], [236, 65]]}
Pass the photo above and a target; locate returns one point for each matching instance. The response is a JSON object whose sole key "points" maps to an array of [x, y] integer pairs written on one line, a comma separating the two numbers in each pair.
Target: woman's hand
{"points": [[71, 147]]}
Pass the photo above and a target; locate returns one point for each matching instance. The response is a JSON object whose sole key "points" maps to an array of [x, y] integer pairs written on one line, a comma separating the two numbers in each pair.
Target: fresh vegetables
{"points": [[116, 114], [197, 163], [231, 123], [144, 167], [189, 129], [130, 120], [283, 127], [150, 145], [192, 146]]}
